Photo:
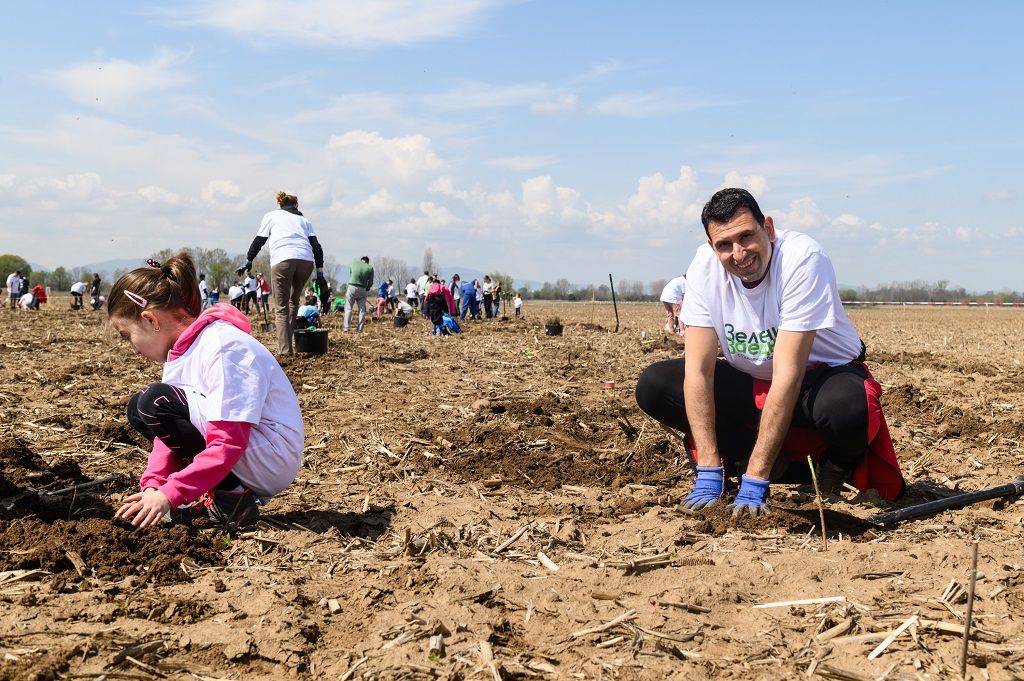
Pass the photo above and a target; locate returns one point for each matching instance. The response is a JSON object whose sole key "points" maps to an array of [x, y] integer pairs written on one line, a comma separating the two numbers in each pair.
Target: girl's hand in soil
{"points": [[148, 508]]}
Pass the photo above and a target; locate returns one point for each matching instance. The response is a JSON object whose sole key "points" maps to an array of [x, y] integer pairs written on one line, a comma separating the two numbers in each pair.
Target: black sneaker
{"points": [[831, 478], [230, 510]]}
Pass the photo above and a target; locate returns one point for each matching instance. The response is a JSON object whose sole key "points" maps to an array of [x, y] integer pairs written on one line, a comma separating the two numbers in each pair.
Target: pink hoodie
{"points": [[226, 441]]}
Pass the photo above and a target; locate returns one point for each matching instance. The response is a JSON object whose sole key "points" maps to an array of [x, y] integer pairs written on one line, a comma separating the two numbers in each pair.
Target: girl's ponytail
{"points": [[158, 286]]}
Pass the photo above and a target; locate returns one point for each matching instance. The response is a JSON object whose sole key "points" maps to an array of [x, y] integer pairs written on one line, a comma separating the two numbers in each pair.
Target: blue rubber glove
{"points": [[751, 497], [321, 280], [245, 266], [708, 489]]}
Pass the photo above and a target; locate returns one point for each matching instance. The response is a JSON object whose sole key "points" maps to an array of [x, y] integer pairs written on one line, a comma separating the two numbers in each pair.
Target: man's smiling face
{"points": [[743, 246]]}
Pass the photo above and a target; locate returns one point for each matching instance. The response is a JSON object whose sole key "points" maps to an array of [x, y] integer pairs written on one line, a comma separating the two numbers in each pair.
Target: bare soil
{"points": [[488, 489]]}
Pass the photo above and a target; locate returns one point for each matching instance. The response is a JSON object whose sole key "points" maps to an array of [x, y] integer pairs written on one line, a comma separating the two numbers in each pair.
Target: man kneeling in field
{"points": [[792, 380]]}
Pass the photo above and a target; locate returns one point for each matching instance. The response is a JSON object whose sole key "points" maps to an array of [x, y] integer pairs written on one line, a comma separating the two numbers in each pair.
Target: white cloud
{"points": [[345, 23], [931, 236], [601, 69], [563, 103], [848, 221], [997, 196], [755, 184], [384, 160], [362, 105], [651, 104], [476, 95], [390, 216], [227, 195], [154, 194], [116, 82], [802, 215], [659, 207], [78, 186], [547, 207], [523, 163]]}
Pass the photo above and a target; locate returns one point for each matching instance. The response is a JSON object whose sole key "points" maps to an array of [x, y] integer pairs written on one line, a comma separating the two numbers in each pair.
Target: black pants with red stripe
{"points": [[832, 401], [161, 411]]}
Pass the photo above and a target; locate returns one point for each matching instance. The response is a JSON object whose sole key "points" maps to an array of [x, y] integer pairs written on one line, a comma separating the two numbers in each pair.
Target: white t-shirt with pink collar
{"points": [[798, 293], [230, 376]]}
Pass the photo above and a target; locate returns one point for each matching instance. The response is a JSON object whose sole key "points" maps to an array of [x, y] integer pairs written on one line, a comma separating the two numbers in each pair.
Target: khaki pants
{"points": [[355, 295], [287, 280]]}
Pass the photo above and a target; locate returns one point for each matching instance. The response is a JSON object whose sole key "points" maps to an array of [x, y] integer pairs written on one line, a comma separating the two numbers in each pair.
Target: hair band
{"points": [[164, 269]]}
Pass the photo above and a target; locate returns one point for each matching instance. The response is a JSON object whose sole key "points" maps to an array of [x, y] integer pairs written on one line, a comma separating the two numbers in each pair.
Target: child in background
{"points": [[518, 304], [436, 306], [307, 317], [224, 421]]}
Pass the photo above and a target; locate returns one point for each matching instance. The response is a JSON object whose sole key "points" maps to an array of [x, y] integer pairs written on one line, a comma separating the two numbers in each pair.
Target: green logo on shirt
{"points": [[751, 343]]}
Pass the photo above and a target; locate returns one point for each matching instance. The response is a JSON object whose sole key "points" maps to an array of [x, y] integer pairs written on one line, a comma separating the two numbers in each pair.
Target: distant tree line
{"points": [[625, 289], [219, 267], [920, 291]]}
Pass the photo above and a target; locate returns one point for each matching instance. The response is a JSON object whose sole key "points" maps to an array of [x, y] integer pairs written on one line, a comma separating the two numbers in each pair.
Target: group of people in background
{"points": [[301, 292], [26, 297]]}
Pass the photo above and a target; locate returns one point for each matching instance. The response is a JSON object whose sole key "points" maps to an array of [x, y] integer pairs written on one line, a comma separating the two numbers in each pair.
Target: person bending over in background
{"points": [[792, 380], [78, 295], [672, 299]]}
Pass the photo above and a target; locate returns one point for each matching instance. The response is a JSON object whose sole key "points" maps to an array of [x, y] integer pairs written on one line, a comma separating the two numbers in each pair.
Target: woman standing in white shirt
{"points": [[294, 250]]}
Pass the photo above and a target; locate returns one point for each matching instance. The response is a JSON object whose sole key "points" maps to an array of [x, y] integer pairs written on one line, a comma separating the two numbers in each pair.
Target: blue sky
{"points": [[545, 139]]}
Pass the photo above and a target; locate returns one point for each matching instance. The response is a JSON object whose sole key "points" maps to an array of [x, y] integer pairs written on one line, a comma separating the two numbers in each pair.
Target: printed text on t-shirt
{"points": [[751, 343]]}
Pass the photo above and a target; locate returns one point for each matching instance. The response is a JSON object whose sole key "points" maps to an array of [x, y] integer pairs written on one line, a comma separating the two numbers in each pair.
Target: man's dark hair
{"points": [[724, 205], [365, 259]]}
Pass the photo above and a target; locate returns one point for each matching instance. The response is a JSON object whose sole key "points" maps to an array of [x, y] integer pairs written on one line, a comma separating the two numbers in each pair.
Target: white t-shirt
{"points": [[410, 290], [251, 284], [235, 292], [26, 300], [798, 293], [518, 302], [204, 292], [241, 381], [78, 287], [14, 284], [487, 287], [674, 291], [405, 309], [287, 236], [421, 283]]}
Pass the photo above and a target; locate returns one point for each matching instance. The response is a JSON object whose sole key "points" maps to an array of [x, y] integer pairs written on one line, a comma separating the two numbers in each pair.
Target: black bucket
{"points": [[401, 321], [311, 341], [553, 329]]}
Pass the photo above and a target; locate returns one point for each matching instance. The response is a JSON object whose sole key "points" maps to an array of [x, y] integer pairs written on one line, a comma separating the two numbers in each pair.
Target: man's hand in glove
{"points": [[245, 266], [752, 497], [708, 489]]}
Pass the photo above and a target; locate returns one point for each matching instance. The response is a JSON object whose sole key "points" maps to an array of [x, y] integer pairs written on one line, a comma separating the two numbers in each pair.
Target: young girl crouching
{"points": [[224, 421]]}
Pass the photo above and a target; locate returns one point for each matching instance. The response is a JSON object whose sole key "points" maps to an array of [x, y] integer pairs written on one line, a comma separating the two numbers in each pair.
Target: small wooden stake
{"points": [[970, 609], [821, 508], [802, 601], [892, 637]]}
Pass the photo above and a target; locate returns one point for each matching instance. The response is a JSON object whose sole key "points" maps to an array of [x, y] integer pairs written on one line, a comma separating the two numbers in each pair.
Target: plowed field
{"points": [[489, 492]]}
